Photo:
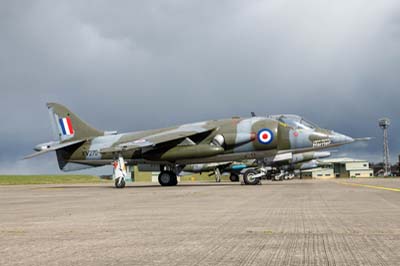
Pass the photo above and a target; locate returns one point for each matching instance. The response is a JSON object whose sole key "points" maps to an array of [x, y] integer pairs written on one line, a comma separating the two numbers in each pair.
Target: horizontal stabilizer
{"points": [[54, 147]]}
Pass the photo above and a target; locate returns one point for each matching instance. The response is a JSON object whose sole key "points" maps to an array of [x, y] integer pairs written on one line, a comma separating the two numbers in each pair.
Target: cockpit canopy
{"points": [[295, 121]]}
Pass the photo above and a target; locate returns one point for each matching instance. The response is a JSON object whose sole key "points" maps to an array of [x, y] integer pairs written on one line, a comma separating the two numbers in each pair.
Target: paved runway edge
{"points": [[368, 186]]}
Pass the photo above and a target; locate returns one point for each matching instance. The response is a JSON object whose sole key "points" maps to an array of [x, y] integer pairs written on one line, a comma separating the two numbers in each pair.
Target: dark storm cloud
{"points": [[131, 65]]}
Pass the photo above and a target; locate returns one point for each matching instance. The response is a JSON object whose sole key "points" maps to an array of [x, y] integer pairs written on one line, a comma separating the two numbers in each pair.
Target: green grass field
{"points": [[48, 179], [79, 179]]}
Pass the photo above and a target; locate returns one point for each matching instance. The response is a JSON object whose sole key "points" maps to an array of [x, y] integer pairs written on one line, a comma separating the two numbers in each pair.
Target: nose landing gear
{"points": [[252, 177]]}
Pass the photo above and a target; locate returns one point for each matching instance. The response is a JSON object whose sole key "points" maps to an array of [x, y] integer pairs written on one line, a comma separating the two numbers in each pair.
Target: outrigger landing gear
{"points": [[120, 182], [217, 173], [119, 172], [167, 178]]}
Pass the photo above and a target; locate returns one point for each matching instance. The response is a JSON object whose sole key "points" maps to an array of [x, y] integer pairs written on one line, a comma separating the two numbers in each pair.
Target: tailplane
{"points": [[68, 126]]}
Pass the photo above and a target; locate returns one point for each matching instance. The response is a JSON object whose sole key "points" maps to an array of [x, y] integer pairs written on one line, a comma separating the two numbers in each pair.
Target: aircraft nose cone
{"points": [[340, 138]]}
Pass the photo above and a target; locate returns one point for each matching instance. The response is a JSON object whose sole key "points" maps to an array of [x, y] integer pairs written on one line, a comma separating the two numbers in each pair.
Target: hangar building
{"points": [[339, 167], [324, 172]]}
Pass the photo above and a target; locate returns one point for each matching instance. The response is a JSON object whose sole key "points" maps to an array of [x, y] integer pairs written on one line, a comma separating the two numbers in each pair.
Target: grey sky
{"points": [[132, 65]]}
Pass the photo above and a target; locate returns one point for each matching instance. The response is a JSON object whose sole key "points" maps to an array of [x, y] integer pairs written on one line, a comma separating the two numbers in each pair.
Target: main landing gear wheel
{"points": [[234, 178], [167, 178], [119, 183], [249, 177]]}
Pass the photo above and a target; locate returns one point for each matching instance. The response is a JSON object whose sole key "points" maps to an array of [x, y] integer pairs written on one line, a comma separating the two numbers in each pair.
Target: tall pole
{"points": [[384, 123], [386, 152]]}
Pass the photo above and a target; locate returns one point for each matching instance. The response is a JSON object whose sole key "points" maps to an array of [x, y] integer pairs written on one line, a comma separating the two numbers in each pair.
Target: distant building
{"points": [[339, 167], [318, 173]]}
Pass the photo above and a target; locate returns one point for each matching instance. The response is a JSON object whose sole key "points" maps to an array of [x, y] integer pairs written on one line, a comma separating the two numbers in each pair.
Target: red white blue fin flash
{"points": [[66, 126]]}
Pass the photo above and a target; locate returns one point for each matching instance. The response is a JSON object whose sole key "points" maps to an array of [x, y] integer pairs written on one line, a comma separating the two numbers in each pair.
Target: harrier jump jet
{"points": [[168, 150]]}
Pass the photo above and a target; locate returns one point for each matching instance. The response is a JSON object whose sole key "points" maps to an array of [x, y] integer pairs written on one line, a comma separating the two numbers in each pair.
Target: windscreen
{"points": [[295, 121]]}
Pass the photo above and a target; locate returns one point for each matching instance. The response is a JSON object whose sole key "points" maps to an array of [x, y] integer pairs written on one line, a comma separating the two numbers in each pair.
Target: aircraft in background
{"points": [[279, 170], [169, 150]]}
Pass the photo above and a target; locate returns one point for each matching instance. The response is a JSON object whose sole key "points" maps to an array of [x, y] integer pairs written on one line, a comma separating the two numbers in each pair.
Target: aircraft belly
{"points": [[212, 159], [231, 157]]}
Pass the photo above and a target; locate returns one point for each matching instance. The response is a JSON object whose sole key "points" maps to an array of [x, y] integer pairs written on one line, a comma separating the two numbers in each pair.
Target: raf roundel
{"points": [[265, 136]]}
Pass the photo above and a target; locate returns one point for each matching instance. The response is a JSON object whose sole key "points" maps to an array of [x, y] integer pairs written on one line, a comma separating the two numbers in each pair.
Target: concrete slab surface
{"points": [[298, 222]]}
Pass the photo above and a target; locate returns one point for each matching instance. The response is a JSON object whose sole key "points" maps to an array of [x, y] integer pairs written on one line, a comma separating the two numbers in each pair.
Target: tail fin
{"points": [[69, 126]]}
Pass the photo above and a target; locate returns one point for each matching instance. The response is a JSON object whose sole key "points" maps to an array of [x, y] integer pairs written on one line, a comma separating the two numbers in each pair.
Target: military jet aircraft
{"points": [[299, 161], [168, 150]]}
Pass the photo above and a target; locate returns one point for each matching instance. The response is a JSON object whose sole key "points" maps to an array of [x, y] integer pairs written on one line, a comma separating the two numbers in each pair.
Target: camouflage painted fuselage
{"points": [[241, 140]]}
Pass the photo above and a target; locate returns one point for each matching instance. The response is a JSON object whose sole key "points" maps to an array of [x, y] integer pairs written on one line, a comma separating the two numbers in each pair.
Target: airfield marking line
{"points": [[369, 186]]}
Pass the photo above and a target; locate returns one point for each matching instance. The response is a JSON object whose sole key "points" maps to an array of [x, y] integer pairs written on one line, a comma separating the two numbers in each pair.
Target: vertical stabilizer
{"points": [[69, 126]]}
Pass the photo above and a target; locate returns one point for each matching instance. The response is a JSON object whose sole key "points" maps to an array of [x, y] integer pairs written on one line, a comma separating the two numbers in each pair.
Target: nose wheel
{"points": [[252, 177]]}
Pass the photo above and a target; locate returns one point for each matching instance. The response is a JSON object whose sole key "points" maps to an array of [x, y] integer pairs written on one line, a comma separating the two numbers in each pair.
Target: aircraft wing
{"points": [[146, 143]]}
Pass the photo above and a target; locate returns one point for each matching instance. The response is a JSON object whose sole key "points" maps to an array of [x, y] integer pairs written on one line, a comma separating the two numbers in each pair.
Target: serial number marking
{"points": [[91, 153]]}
